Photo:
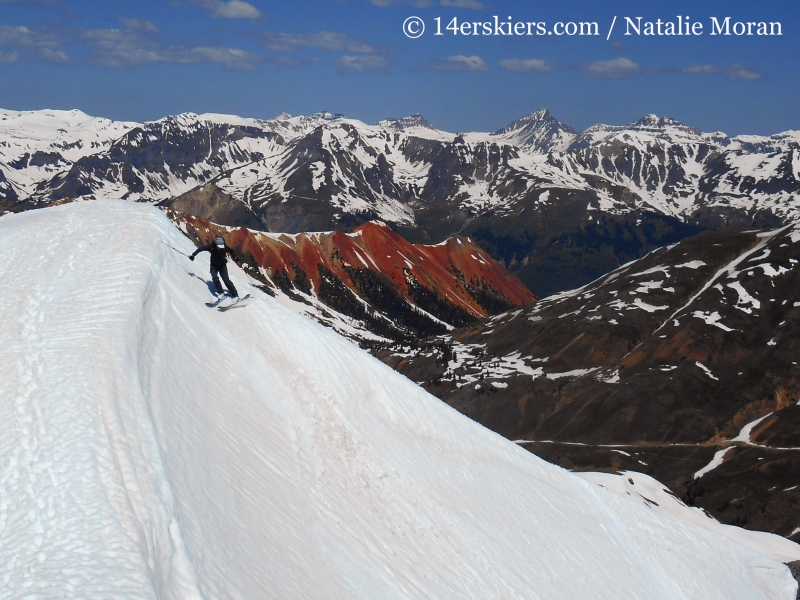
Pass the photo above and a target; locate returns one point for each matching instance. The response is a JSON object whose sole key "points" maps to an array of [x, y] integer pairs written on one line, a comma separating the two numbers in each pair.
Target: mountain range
{"points": [[555, 206]]}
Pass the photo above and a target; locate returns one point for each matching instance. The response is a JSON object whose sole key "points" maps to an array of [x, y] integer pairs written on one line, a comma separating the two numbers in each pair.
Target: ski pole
{"points": [[176, 250], [253, 282]]}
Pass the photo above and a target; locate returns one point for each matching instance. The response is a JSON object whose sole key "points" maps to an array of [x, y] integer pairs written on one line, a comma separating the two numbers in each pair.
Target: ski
{"points": [[235, 304], [216, 303]]}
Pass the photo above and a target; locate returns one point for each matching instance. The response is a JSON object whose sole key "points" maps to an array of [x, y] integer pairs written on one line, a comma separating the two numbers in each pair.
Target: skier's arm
{"points": [[199, 250], [230, 251]]}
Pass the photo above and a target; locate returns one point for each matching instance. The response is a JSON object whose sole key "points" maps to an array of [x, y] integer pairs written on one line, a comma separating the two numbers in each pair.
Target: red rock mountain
{"points": [[373, 277]]}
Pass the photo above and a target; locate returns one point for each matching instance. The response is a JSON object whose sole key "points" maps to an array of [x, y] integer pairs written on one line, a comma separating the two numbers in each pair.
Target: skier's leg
{"points": [[228, 284], [215, 279]]}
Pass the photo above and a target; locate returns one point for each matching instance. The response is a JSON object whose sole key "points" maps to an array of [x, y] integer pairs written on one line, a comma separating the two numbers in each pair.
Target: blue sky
{"points": [[142, 60]]}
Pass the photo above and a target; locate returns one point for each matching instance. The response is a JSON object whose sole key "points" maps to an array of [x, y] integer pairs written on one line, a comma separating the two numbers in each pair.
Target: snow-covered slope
{"points": [[653, 494], [153, 448]]}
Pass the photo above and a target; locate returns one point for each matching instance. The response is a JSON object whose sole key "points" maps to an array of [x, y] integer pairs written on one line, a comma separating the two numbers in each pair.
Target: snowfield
{"points": [[151, 447]]}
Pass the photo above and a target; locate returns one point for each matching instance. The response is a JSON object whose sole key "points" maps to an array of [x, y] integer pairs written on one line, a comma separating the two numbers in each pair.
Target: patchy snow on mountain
{"points": [[399, 168], [34, 145], [154, 448], [689, 344]]}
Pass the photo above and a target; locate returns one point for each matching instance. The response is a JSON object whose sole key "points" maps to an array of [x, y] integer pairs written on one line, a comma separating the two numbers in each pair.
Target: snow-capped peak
{"points": [[644, 131], [540, 131], [36, 144], [410, 122], [537, 118], [294, 126], [654, 122], [319, 116]]}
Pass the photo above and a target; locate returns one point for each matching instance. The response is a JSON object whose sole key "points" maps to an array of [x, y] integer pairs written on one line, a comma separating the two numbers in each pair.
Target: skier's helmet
{"points": [[219, 241]]}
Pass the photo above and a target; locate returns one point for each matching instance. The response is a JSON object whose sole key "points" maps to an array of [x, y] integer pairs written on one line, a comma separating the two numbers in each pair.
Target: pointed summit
{"points": [[539, 130]]}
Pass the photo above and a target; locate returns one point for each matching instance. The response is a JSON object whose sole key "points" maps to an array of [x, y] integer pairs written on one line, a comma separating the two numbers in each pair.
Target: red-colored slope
{"points": [[457, 270]]}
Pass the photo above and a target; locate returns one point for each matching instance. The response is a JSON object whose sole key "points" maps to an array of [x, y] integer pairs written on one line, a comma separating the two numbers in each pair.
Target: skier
{"points": [[219, 266]]}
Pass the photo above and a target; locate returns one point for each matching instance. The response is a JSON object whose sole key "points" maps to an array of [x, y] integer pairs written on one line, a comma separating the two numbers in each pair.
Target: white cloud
{"points": [[619, 67], [362, 64], [473, 4], [125, 49], [735, 72], [229, 58], [743, 73], [529, 65], [10, 57], [26, 36], [57, 57], [121, 48], [233, 9], [701, 69], [324, 40], [139, 24], [31, 44], [459, 63]]}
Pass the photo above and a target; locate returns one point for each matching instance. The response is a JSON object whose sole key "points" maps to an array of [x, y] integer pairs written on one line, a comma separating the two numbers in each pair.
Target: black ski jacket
{"points": [[218, 258]]}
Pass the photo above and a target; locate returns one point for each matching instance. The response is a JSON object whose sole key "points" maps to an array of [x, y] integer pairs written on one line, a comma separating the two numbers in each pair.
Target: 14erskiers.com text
{"points": [[633, 26]]}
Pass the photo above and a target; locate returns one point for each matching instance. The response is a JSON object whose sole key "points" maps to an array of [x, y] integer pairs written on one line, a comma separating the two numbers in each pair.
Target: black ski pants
{"points": [[223, 270]]}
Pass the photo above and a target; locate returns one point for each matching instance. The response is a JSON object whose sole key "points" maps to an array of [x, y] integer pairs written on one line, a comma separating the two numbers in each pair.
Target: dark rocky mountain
{"points": [[682, 365], [8, 197], [159, 158], [370, 284], [540, 131], [556, 207], [7, 193]]}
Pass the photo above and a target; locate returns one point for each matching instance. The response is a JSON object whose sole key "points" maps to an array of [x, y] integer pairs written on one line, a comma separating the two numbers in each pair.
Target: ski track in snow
{"points": [[153, 448]]}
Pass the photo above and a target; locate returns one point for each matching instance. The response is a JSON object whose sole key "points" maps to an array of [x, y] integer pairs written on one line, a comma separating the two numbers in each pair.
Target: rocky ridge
{"points": [[371, 284]]}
